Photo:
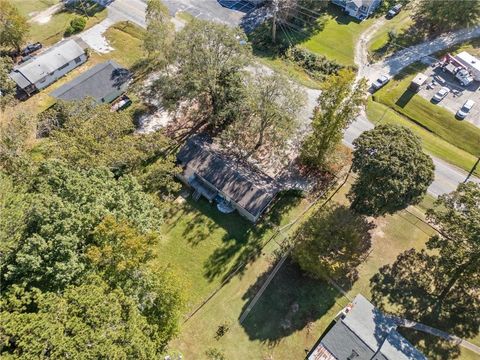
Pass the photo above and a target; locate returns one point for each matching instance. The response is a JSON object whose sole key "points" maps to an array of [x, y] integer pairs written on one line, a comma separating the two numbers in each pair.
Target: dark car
{"points": [[31, 48], [394, 11]]}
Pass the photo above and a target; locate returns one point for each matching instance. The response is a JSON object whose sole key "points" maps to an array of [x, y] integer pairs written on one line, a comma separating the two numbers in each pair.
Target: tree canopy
{"points": [[160, 31], [338, 105], [13, 26], [88, 321], [269, 117], [332, 243], [392, 170], [63, 207], [8, 87], [209, 60]]}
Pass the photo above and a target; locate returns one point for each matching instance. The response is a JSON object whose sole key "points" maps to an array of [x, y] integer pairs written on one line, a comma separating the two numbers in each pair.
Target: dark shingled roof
{"points": [[98, 82], [250, 189]]}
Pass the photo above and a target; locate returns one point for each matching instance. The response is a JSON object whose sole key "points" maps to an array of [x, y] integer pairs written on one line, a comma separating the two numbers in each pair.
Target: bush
{"points": [[76, 25], [317, 66]]}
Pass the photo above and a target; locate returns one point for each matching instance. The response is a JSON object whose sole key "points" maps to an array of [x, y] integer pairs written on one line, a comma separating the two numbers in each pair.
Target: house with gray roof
{"points": [[359, 9], [50, 65], [104, 83], [363, 332], [217, 178]]}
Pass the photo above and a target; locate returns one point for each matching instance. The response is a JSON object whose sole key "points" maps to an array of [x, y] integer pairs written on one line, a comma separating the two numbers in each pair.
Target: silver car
{"points": [[441, 94], [465, 109]]}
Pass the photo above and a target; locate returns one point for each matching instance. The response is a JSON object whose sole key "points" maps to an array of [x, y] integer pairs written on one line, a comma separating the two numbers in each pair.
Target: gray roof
{"points": [[365, 3], [369, 333], [249, 188], [368, 323], [50, 60], [99, 82]]}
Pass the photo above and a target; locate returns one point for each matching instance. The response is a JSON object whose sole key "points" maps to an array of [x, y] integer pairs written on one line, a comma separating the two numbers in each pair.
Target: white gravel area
{"points": [[95, 38]]}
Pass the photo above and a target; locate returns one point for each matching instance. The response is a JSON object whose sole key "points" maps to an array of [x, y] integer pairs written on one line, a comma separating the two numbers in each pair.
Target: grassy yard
{"points": [[432, 144], [337, 40], [30, 7], [53, 31], [398, 24], [432, 118], [294, 310]]}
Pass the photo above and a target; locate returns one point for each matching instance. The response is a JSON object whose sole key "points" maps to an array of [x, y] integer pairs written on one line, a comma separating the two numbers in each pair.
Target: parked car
{"points": [[31, 48], [465, 109], [122, 103], [394, 11], [441, 94], [25, 59], [380, 82]]}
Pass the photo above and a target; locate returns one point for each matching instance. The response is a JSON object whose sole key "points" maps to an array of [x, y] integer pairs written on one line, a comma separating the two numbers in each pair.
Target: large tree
{"points": [[63, 207], [444, 15], [392, 170], [89, 321], [269, 116], [338, 105], [160, 31], [332, 243], [209, 61], [440, 286], [88, 135], [8, 87], [13, 26]]}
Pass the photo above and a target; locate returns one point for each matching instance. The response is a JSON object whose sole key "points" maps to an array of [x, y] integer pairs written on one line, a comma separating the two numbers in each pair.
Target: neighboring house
{"points": [[360, 9], [362, 332], [50, 65], [104, 82], [219, 179]]}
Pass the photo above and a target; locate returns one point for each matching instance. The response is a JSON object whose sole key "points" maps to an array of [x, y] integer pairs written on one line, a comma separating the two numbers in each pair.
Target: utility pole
{"points": [[473, 170], [274, 22]]}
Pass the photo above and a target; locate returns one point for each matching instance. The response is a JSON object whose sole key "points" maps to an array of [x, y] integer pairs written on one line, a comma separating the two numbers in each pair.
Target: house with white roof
{"points": [[359, 9], [50, 65]]}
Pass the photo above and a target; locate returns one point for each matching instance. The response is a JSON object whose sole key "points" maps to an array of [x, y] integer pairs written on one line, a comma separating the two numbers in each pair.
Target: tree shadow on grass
{"points": [[291, 302], [243, 241], [413, 285]]}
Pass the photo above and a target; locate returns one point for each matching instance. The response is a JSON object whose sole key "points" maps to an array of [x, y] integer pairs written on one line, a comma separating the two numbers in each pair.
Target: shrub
{"points": [[317, 66], [76, 25]]}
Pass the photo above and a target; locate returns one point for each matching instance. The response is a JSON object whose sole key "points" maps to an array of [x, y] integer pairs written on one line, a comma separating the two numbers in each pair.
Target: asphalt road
{"points": [[447, 176]]}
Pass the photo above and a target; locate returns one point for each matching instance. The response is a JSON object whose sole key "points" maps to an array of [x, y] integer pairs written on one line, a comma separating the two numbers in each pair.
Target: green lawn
{"points": [[127, 41], [432, 118], [294, 310], [53, 31], [30, 7], [398, 24], [432, 144], [337, 40]]}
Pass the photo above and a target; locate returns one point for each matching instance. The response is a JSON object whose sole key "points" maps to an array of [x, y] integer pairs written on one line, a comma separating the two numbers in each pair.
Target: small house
{"points": [[104, 82], [359, 9], [362, 332], [50, 65], [218, 178]]}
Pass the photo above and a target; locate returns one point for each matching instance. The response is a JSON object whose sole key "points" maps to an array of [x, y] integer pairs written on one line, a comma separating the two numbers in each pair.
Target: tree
{"points": [[393, 171], [63, 208], [15, 145], [122, 256], [13, 26], [440, 15], [270, 113], [332, 243], [338, 105], [208, 68], [8, 87], [89, 135], [160, 30], [439, 286], [89, 321]]}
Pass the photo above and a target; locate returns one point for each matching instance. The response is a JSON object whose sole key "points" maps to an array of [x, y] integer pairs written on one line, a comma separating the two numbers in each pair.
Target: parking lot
{"points": [[437, 78]]}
